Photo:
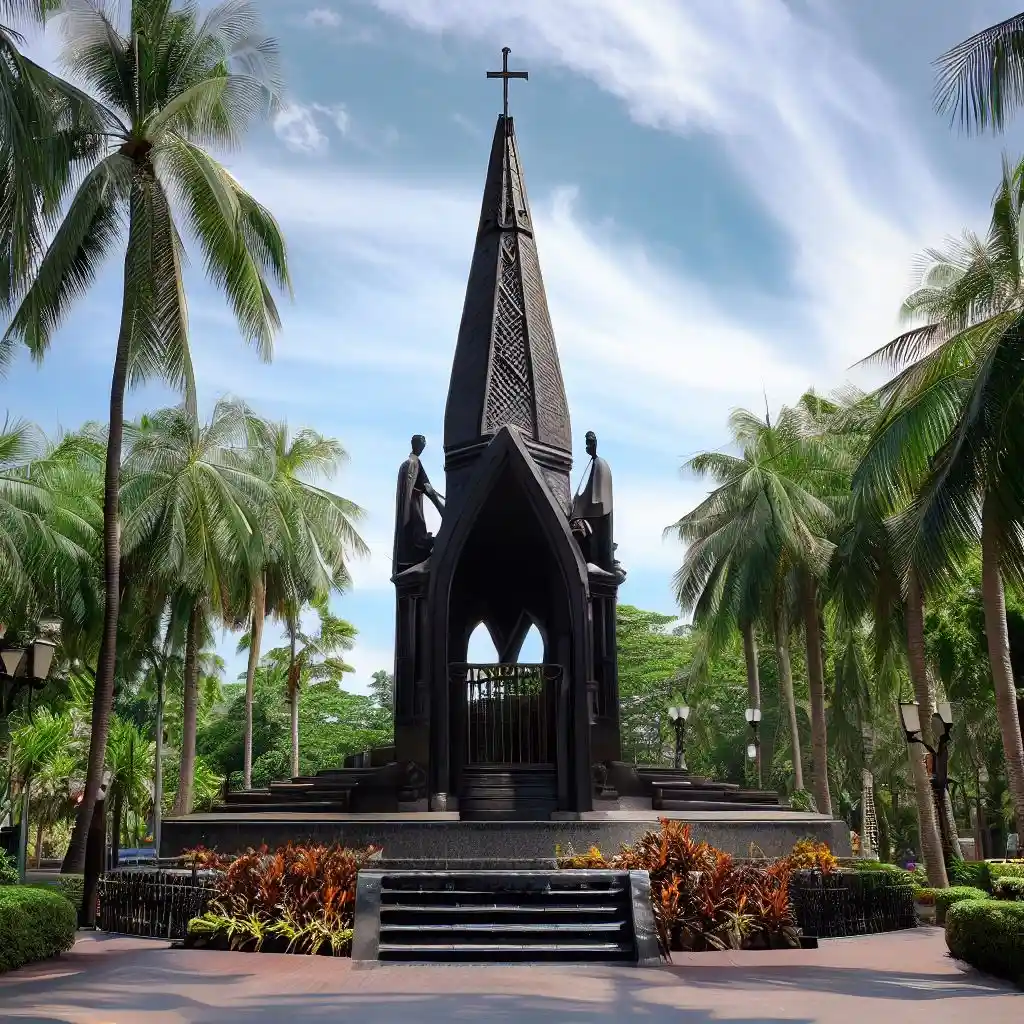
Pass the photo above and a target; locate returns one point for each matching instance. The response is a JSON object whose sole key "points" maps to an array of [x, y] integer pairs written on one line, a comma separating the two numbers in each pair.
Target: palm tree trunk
{"points": [[994, 600], [816, 688], [294, 698], [39, 844], [259, 611], [753, 684], [190, 707], [931, 840], [158, 766], [753, 675], [786, 685], [117, 813], [103, 685]]}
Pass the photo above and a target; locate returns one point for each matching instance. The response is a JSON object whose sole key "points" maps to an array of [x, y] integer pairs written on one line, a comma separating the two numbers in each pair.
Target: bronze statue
{"points": [[413, 542], [592, 511]]}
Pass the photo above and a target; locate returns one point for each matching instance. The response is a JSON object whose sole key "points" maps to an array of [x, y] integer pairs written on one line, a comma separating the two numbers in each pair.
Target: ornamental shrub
{"points": [[1006, 869], [34, 925], [988, 935], [810, 854], [298, 899], [945, 898], [974, 873], [8, 869], [926, 897], [1009, 889], [894, 875]]}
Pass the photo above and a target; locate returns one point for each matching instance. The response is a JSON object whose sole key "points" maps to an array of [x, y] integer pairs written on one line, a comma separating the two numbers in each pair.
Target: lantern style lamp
{"points": [[679, 714]]}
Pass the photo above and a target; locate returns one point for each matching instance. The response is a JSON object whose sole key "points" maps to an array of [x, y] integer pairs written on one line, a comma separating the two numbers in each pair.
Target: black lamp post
{"points": [[753, 717], [679, 714], [938, 762], [24, 667]]}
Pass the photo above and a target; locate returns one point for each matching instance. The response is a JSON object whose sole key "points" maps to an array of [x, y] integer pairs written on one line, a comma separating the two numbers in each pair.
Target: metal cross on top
{"points": [[504, 74]]}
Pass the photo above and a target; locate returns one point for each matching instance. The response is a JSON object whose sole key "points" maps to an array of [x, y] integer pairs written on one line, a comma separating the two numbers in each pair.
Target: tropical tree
{"points": [[306, 538], [951, 436], [130, 762], [981, 80], [167, 84], [311, 658], [757, 547]]}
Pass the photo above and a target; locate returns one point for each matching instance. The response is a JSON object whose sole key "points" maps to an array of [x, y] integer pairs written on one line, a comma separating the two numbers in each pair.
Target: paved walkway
{"points": [[900, 978]]}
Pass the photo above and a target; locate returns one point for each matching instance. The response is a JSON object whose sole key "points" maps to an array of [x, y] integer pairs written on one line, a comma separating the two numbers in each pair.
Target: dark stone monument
{"points": [[514, 549], [510, 757]]}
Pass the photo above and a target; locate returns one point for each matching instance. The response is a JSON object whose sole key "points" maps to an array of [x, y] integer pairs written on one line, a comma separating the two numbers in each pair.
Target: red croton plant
{"points": [[702, 899], [298, 899]]}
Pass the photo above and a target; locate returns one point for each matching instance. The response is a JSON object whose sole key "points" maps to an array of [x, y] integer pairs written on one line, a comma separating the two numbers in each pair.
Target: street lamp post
{"points": [[753, 717], [24, 667], [938, 762], [679, 714]]}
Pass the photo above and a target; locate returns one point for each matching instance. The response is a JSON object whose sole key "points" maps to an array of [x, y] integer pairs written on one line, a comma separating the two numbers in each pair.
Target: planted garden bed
{"points": [[154, 903]]}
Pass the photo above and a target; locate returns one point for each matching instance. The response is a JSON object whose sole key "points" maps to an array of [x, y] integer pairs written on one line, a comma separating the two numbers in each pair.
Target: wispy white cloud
{"points": [[817, 134], [295, 125], [322, 17]]}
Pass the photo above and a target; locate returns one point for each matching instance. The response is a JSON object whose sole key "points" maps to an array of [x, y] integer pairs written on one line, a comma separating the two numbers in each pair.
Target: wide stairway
{"points": [[328, 791], [501, 917], [675, 790], [508, 792]]}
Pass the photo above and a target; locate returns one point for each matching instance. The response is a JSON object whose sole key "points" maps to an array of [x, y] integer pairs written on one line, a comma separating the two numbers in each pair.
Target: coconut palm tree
{"points": [[311, 658], [308, 536], [130, 762], [951, 435], [169, 83], [981, 80], [754, 540], [45, 123], [191, 504]]}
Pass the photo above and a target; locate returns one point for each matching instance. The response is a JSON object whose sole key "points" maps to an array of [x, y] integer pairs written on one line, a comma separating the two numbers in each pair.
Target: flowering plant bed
{"points": [[702, 899], [298, 899]]}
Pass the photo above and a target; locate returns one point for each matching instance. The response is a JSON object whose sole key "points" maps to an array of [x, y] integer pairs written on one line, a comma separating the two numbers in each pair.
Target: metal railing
{"points": [[509, 712], [154, 903]]}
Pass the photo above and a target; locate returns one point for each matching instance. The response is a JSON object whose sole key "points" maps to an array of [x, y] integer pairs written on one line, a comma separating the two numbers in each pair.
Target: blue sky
{"points": [[728, 199]]}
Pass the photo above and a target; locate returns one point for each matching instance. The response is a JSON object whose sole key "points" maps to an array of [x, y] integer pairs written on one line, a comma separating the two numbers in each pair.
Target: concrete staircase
{"points": [[674, 790], [328, 791], [508, 793], [503, 917]]}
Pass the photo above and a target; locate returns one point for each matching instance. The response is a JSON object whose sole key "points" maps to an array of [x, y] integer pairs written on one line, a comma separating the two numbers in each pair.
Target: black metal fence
{"points": [[154, 903], [833, 905], [509, 712]]}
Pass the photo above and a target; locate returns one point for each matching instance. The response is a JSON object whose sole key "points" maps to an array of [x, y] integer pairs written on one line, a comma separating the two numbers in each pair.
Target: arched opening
{"points": [[532, 651], [481, 649]]}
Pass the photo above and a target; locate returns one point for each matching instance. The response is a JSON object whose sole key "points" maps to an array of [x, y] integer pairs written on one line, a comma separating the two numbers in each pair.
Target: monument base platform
{"points": [[440, 840]]}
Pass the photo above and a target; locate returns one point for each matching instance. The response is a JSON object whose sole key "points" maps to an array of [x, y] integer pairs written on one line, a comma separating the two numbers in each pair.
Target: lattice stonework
{"points": [[509, 391]]}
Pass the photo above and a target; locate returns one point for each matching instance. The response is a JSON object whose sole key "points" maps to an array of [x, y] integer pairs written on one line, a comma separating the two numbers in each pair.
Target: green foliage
{"points": [[974, 873], [1007, 869], [989, 935], [298, 899], [34, 925], [895, 874], [702, 900], [1009, 889], [946, 898], [926, 896], [72, 887], [8, 869]]}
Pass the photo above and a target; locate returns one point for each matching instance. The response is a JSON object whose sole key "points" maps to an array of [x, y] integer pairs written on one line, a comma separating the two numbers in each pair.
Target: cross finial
{"points": [[504, 74]]}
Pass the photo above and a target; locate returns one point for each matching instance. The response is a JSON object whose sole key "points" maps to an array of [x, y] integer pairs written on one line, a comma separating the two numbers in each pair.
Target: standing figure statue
{"points": [[592, 512], [413, 542]]}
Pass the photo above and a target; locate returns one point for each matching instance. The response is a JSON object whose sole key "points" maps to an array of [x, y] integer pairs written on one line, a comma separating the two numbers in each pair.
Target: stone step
{"points": [[500, 917]]}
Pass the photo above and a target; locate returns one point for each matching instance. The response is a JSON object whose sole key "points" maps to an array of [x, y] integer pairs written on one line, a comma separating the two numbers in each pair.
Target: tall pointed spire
{"points": [[506, 370]]}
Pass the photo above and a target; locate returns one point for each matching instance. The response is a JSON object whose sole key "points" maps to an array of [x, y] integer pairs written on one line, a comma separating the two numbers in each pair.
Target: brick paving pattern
{"points": [[902, 978]]}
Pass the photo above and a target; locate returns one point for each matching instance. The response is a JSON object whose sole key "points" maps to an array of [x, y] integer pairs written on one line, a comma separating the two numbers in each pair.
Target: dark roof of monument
{"points": [[506, 370]]}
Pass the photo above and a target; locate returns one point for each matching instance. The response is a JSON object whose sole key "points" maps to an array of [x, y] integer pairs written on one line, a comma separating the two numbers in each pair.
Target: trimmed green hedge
{"points": [[989, 935], [1011, 869], [945, 898], [34, 925], [1009, 889], [894, 875]]}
